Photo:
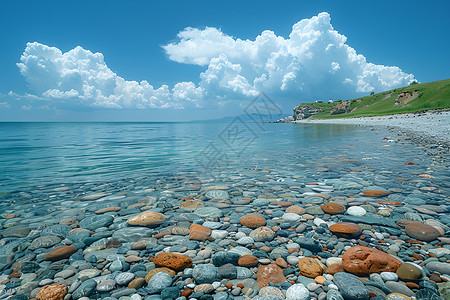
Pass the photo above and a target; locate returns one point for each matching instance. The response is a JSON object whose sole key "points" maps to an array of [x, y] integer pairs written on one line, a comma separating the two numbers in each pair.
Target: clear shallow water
{"points": [[81, 184], [44, 154]]}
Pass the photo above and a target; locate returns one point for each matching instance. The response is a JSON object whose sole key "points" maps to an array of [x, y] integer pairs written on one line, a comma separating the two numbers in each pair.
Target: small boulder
{"points": [[173, 261], [363, 261], [309, 267], [148, 218]]}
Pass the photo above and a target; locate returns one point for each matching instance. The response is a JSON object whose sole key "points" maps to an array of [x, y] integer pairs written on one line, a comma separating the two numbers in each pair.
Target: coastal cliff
{"points": [[414, 98]]}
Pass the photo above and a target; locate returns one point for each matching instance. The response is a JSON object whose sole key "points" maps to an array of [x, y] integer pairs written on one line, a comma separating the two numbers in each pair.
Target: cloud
{"points": [[83, 77], [5, 105], [314, 62]]}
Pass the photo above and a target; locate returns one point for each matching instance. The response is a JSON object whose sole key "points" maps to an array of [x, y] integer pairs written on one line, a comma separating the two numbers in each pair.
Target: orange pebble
{"points": [[320, 279]]}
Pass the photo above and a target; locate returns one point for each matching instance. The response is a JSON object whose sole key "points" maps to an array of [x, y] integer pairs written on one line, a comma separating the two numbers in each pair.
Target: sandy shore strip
{"points": [[434, 124]]}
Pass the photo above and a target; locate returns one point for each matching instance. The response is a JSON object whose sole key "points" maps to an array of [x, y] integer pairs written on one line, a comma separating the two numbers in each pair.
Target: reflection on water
{"points": [[51, 153]]}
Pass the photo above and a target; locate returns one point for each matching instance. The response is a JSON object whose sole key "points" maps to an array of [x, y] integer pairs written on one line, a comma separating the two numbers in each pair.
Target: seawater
{"points": [[44, 154], [84, 184]]}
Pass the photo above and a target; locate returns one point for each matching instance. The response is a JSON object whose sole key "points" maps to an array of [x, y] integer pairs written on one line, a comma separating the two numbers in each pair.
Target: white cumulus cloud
{"points": [[313, 62], [82, 76]]}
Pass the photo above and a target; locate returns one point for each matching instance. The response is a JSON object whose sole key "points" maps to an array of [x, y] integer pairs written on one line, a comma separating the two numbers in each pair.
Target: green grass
{"points": [[432, 95]]}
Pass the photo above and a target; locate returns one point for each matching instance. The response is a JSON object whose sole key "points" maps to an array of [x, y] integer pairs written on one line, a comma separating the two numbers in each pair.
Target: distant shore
{"points": [[432, 124]]}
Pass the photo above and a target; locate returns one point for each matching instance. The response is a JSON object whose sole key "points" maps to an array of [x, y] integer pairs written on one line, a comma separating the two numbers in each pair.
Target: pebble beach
{"points": [[335, 227], [434, 125]]}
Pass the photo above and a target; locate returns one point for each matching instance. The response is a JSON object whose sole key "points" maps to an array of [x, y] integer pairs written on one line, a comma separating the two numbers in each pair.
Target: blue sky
{"points": [[149, 67]]}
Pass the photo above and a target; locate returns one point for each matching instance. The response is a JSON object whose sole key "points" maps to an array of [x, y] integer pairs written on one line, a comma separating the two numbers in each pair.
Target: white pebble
{"points": [[291, 217], [219, 234], [240, 235], [297, 292], [245, 240], [389, 276], [292, 260], [379, 235], [216, 284], [318, 221], [334, 260], [312, 286], [333, 286], [356, 211]]}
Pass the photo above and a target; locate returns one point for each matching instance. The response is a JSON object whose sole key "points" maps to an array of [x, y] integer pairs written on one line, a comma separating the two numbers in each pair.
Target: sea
{"points": [[38, 155], [92, 209]]}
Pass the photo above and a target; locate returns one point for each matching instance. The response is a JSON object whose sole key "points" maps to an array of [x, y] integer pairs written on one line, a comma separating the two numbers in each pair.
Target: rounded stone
{"points": [[309, 267], [172, 292], [408, 271], [397, 296], [190, 205], [269, 273], [208, 212], [159, 281], [441, 267], [335, 268], [248, 261], [55, 291], [173, 261], [252, 221], [422, 232], [198, 232], [217, 194], [44, 242], [399, 287], [362, 260], [106, 285], [262, 234], [59, 253], [375, 193], [148, 218], [270, 292], [356, 211], [85, 289], [291, 217], [157, 270], [333, 208], [204, 288], [205, 273], [295, 209], [297, 292], [107, 209], [346, 230], [124, 278], [351, 286], [94, 222], [395, 203], [136, 283]]}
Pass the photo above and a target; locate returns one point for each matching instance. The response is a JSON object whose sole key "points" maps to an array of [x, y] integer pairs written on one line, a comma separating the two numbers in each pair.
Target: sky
{"points": [[193, 60]]}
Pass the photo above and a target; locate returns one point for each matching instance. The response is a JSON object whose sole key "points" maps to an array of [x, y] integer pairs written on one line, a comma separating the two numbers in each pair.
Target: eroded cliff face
{"points": [[405, 97], [341, 108], [302, 112]]}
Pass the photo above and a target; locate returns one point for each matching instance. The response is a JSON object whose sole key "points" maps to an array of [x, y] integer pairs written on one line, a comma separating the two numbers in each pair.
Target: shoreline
{"points": [[429, 129], [434, 124]]}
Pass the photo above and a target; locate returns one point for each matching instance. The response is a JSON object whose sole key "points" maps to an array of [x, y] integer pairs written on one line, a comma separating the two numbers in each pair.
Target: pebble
{"points": [[389, 276], [270, 235], [350, 286], [356, 211], [159, 281], [297, 292]]}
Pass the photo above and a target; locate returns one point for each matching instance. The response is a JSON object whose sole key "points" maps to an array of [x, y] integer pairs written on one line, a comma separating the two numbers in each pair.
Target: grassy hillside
{"points": [[431, 95]]}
